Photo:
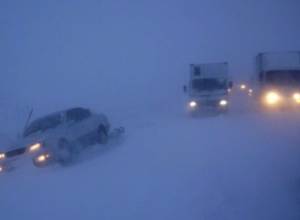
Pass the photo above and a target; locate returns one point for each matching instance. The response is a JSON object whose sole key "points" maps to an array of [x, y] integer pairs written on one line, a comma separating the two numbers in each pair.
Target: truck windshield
{"points": [[208, 84], [43, 124], [283, 77]]}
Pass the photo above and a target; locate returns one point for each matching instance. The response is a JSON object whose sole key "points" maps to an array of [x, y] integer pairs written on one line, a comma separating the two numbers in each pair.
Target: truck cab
{"points": [[278, 77], [208, 87]]}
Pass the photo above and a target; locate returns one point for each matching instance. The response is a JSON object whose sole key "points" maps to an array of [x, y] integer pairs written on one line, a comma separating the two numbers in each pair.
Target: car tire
{"points": [[38, 165], [65, 153], [102, 134]]}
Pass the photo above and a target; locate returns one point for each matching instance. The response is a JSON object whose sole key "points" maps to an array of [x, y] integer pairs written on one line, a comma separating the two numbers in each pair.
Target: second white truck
{"points": [[278, 80]]}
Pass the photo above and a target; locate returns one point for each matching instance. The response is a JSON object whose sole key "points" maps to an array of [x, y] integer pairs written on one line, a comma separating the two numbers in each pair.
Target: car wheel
{"points": [[64, 152], [38, 164], [102, 135]]}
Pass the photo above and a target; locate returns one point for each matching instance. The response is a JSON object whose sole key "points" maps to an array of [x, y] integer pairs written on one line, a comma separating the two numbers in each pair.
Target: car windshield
{"points": [[43, 124], [77, 114], [208, 84], [286, 77]]}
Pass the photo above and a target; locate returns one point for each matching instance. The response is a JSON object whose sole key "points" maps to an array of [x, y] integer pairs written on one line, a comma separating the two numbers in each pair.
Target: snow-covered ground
{"points": [[169, 166]]}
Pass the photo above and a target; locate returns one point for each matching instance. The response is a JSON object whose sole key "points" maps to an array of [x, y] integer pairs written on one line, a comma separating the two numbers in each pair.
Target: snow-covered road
{"points": [[239, 166]]}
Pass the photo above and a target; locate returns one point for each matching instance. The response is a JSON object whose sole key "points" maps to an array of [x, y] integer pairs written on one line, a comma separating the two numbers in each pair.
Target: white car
{"points": [[60, 136]]}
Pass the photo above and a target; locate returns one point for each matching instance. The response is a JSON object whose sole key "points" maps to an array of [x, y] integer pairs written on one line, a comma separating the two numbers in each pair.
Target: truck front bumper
{"points": [[207, 105]]}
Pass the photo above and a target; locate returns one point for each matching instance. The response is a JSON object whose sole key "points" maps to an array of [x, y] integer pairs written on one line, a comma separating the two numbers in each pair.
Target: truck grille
{"points": [[211, 102]]}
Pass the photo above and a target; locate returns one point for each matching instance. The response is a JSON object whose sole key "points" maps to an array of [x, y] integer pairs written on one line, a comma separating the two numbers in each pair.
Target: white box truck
{"points": [[278, 79], [207, 88]]}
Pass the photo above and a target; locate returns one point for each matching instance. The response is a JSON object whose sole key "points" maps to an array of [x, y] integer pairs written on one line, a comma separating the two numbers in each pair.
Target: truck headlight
{"points": [[296, 97], [35, 147], [2, 156], [243, 86], [272, 98], [223, 102], [193, 104]]}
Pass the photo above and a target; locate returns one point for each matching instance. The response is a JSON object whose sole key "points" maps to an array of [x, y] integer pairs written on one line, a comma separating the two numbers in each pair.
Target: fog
{"points": [[130, 59], [129, 54]]}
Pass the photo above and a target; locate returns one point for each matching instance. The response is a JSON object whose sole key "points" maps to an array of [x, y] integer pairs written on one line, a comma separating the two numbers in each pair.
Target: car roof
{"points": [[55, 114], [58, 113], [63, 111]]}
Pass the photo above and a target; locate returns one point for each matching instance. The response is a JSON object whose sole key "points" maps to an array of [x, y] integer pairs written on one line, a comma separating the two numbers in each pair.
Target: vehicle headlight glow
{"points": [[243, 86], [296, 97], [272, 98], [42, 158], [2, 156], [1, 169], [250, 92], [193, 104], [35, 147], [223, 102]]}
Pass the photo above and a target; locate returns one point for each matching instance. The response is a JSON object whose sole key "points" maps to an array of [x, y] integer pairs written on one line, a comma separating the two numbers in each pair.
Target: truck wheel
{"points": [[224, 111], [64, 152], [102, 135], [194, 114]]}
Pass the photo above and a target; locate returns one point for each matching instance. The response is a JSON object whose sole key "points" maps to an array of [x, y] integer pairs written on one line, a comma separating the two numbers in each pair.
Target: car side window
{"points": [[77, 114], [43, 124]]}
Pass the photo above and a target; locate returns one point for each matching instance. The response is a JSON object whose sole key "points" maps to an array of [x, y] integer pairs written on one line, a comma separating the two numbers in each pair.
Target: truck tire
{"points": [[224, 111]]}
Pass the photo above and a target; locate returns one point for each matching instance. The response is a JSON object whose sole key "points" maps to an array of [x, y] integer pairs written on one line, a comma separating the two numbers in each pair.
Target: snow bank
{"points": [[171, 167]]}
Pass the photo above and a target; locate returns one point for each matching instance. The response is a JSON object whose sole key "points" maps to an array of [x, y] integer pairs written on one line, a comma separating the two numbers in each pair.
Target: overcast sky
{"points": [[124, 53]]}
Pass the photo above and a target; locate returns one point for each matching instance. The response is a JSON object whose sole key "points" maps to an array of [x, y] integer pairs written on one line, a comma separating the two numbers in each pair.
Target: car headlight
{"points": [[193, 104], [296, 97], [35, 147], [42, 158], [272, 98], [2, 156], [1, 168], [223, 102]]}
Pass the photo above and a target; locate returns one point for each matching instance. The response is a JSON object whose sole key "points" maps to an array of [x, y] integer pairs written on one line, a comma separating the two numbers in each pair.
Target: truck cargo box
{"points": [[278, 61], [209, 70]]}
